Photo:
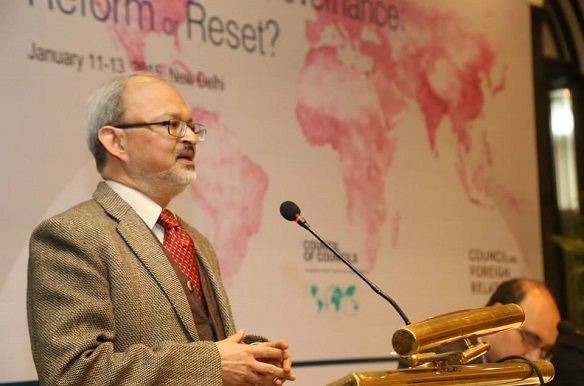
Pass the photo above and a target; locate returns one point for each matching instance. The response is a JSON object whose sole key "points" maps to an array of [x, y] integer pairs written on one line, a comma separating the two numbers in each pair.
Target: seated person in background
{"points": [[536, 337]]}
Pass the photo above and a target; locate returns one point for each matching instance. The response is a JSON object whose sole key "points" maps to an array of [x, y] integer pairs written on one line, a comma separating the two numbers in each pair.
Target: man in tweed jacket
{"points": [[106, 304]]}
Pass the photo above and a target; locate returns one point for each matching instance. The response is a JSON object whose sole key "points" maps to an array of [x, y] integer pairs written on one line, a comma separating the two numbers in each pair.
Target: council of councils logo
{"points": [[334, 298]]}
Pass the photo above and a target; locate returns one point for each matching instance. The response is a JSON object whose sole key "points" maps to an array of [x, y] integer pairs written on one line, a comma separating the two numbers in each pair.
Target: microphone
{"points": [[291, 212]]}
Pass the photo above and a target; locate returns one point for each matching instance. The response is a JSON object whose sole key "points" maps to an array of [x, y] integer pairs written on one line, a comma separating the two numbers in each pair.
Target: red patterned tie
{"points": [[181, 248]]}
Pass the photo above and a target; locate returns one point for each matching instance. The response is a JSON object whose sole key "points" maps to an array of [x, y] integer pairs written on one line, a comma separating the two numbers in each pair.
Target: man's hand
{"points": [[285, 362], [258, 364]]}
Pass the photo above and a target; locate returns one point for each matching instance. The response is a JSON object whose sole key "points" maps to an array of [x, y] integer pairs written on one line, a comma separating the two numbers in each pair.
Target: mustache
{"points": [[185, 147], [188, 146]]}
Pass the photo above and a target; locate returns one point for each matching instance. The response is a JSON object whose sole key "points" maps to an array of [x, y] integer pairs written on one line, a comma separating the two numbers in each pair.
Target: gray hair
{"points": [[105, 108]]}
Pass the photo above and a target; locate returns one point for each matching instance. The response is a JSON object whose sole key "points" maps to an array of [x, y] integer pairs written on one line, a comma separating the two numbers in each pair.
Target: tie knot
{"points": [[167, 219]]}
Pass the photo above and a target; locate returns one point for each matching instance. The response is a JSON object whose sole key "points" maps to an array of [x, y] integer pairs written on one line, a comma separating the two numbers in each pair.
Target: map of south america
{"points": [[230, 186]]}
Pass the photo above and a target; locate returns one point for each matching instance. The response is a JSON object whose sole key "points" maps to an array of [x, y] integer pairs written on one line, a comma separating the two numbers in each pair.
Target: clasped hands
{"points": [[258, 364]]}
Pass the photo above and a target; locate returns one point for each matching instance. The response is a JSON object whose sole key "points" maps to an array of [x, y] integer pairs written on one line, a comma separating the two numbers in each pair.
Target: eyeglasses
{"points": [[176, 128], [533, 342]]}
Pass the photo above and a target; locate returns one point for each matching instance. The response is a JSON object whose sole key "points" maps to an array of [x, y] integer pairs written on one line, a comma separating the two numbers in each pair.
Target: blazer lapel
{"points": [[148, 250], [220, 295]]}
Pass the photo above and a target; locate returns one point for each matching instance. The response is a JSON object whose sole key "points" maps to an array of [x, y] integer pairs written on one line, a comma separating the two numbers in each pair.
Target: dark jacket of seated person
{"points": [[568, 356]]}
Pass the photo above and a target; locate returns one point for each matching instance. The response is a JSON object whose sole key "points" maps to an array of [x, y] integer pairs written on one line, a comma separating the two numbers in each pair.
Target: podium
{"points": [[419, 343], [508, 373]]}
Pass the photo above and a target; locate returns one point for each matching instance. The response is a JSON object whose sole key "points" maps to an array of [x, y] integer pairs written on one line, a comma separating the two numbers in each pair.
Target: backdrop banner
{"points": [[404, 130]]}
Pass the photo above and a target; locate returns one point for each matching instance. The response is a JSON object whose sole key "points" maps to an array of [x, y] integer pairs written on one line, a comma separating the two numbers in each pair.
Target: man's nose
{"points": [[534, 354], [191, 137]]}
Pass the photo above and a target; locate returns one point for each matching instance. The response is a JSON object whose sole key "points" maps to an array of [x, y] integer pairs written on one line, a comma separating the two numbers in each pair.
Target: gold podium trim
{"points": [[448, 328], [507, 373]]}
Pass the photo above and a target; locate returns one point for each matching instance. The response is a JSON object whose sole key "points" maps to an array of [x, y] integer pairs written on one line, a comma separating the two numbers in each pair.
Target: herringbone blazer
{"points": [[105, 306]]}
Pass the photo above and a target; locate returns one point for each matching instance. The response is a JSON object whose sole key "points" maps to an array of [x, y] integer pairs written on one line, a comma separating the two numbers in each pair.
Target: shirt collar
{"points": [[146, 208]]}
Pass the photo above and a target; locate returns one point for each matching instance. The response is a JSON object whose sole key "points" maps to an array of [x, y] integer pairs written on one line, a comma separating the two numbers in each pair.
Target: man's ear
{"points": [[113, 140]]}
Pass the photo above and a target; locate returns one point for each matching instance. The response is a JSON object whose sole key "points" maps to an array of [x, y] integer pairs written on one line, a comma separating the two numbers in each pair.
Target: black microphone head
{"points": [[289, 210]]}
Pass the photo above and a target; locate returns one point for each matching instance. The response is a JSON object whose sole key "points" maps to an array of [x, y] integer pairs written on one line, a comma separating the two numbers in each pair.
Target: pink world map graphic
{"points": [[355, 83]]}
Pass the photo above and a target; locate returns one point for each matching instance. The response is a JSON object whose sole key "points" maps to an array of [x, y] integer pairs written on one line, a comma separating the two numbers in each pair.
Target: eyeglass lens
{"points": [[533, 342], [178, 128]]}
